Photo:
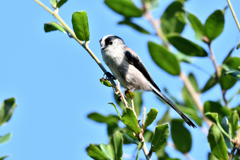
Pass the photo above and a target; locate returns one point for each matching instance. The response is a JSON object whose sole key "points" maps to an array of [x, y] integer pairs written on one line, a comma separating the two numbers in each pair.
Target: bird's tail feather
{"points": [[171, 104]]}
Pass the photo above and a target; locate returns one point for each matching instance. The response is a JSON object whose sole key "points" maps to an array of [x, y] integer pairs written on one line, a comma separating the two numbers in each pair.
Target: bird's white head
{"points": [[111, 42]]}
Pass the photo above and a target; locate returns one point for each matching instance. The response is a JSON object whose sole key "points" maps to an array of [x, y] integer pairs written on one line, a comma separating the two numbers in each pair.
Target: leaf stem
{"points": [[233, 13]]}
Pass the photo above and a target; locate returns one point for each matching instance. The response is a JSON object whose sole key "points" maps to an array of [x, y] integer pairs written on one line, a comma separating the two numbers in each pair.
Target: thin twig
{"points": [[144, 113], [233, 13]]}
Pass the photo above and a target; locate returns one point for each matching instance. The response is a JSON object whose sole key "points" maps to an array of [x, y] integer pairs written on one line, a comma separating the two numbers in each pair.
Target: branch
{"points": [[233, 13]]}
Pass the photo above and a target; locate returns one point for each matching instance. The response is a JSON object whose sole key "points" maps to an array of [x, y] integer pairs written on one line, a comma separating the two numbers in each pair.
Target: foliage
{"points": [[222, 121]]}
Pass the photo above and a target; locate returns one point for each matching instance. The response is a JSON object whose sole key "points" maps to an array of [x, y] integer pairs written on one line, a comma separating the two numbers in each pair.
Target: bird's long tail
{"points": [[171, 104]]}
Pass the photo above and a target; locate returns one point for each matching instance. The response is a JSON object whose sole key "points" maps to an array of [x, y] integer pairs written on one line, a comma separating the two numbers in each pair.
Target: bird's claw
{"points": [[109, 75]]}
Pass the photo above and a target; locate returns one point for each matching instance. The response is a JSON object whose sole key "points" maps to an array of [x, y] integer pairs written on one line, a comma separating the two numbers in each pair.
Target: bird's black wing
{"points": [[133, 59]]}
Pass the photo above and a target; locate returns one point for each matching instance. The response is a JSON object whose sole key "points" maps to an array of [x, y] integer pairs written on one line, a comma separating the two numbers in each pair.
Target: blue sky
{"points": [[56, 83]]}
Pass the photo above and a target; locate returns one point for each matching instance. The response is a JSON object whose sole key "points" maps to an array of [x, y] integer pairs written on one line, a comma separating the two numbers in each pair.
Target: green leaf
{"points": [[215, 107], [212, 157], [165, 118], [105, 150], [238, 46], [164, 58], [214, 25], [53, 26], [152, 3], [130, 120], [135, 26], [217, 144], [116, 144], [7, 109], [129, 134], [169, 21], [96, 153], [193, 81], [103, 119], [2, 158], [233, 124], [105, 82], [124, 7], [119, 116], [127, 137], [54, 3], [228, 82], [196, 25], [160, 137], [61, 2], [228, 56], [234, 73], [112, 128], [5, 138], [80, 25], [148, 135], [188, 100], [225, 126], [151, 116], [183, 58], [210, 83], [185, 46], [181, 136]]}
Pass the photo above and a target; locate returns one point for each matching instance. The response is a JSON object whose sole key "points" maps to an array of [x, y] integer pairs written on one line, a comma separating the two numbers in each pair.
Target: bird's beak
{"points": [[102, 48]]}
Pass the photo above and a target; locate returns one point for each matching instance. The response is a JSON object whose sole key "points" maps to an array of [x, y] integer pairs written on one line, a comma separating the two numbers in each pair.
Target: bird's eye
{"points": [[110, 42]]}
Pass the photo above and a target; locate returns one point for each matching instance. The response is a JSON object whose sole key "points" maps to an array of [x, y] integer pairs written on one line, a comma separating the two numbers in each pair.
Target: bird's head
{"points": [[111, 42]]}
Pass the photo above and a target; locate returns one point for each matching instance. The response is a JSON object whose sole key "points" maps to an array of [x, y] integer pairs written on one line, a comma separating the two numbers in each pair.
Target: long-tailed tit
{"points": [[128, 68]]}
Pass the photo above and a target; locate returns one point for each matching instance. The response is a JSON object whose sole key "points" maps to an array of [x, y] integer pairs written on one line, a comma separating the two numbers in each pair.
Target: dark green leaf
{"points": [[96, 153], [183, 58], [129, 134], [225, 126], [111, 129], [105, 150], [215, 107], [124, 7], [160, 137], [169, 21], [130, 120], [103, 119], [212, 157], [5, 138], [148, 135], [214, 25], [229, 54], [134, 26], [2, 158], [153, 3], [80, 25], [181, 136], [151, 116], [217, 144], [210, 83], [61, 2], [164, 58], [188, 100], [53, 3], [127, 137], [228, 82], [193, 81], [7, 109], [165, 118], [233, 124], [196, 25], [116, 144], [53, 26], [238, 46], [185, 46], [234, 73]]}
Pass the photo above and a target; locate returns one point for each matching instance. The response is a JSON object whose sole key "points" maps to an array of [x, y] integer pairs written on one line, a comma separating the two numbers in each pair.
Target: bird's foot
{"points": [[109, 75]]}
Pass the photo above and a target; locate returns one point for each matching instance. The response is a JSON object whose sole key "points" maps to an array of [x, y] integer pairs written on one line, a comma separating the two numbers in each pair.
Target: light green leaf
{"points": [[151, 116], [217, 144], [103, 119], [105, 150], [234, 73], [193, 81], [210, 83], [135, 26], [140, 145], [214, 25], [54, 3], [130, 120], [153, 3], [80, 25], [164, 58], [96, 153], [105, 82], [119, 116], [53, 26], [5, 138], [233, 124], [181, 136], [116, 144], [7, 109], [192, 113], [124, 7], [186, 46], [160, 136], [165, 118], [170, 23]]}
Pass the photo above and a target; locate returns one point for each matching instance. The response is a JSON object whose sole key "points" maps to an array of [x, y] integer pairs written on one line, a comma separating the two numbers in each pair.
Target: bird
{"points": [[127, 67]]}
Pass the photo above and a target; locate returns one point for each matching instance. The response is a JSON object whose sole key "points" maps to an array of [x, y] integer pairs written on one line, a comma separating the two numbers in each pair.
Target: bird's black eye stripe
{"points": [[109, 40]]}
